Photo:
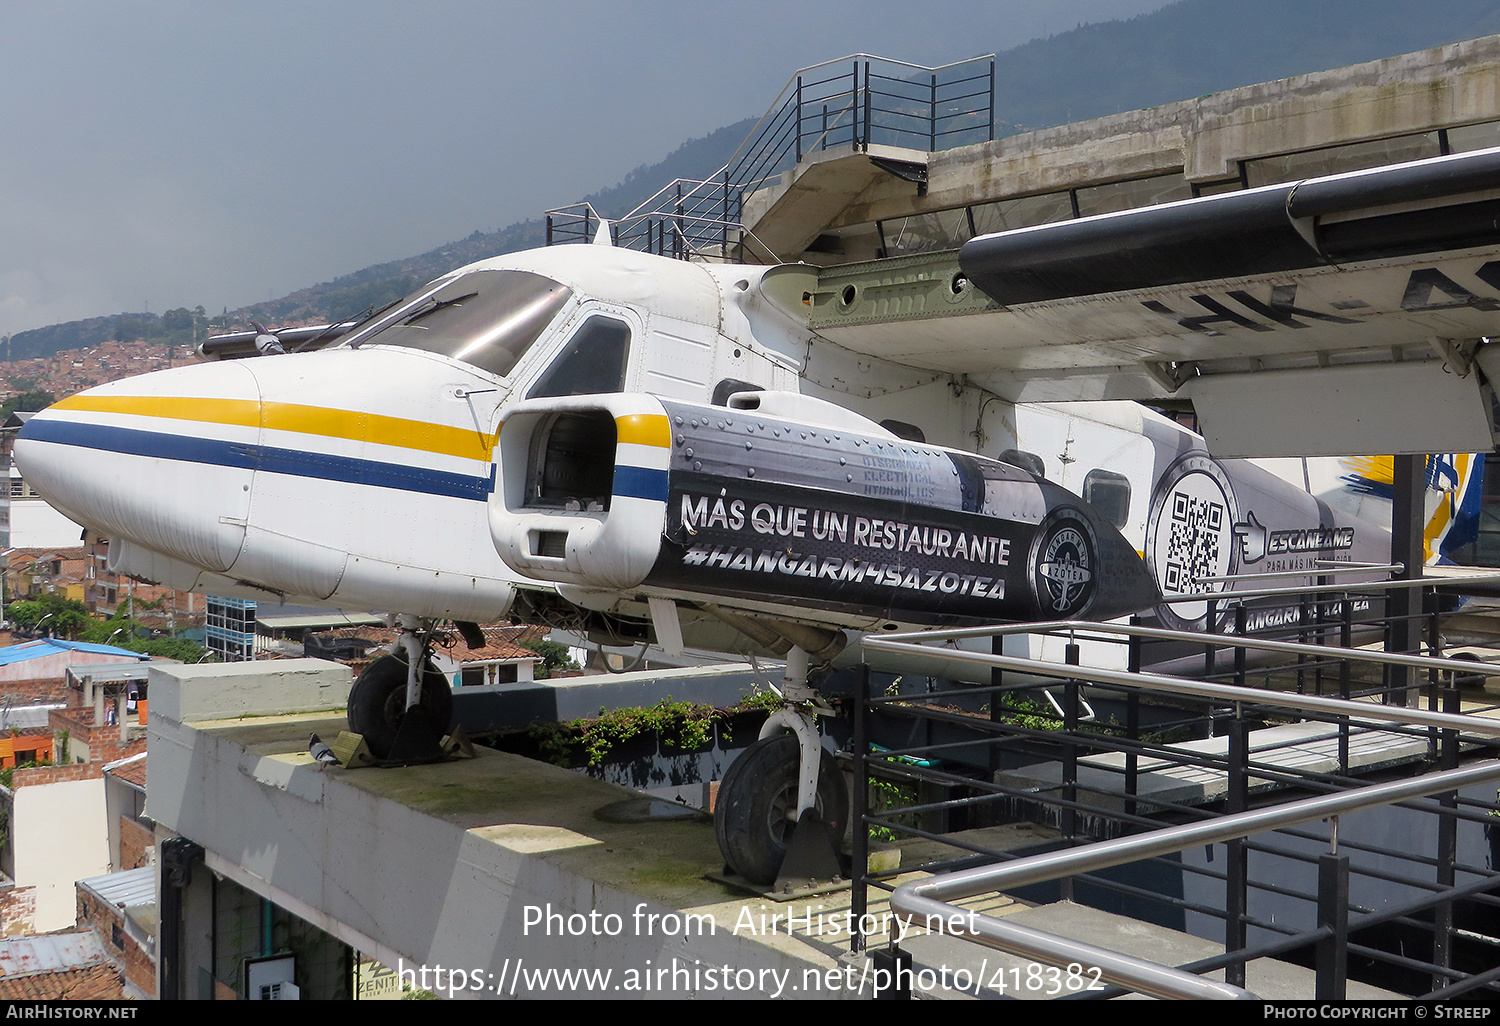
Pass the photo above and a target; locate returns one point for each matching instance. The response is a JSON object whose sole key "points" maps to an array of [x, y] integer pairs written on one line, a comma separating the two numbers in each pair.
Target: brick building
{"points": [[120, 909]]}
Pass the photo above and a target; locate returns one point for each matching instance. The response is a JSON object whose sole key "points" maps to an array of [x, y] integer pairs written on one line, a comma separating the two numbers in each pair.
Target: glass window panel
{"points": [[1215, 188], [592, 362], [922, 233], [1141, 192], [1109, 493], [1474, 137], [1003, 215], [487, 318], [1331, 160]]}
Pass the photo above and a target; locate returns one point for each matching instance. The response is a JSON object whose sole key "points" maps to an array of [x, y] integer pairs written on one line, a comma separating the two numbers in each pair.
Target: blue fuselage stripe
{"points": [[262, 458], [640, 483]]}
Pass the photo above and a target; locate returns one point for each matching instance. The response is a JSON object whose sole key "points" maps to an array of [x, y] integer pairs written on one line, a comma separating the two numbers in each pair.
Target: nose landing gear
{"points": [[783, 804], [401, 704]]}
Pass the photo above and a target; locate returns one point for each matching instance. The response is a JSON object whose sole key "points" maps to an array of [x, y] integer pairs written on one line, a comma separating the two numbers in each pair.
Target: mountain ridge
{"points": [[1189, 48]]}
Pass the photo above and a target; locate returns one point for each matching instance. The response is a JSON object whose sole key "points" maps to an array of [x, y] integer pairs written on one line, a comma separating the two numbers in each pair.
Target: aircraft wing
{"points": [[1325, 306]]}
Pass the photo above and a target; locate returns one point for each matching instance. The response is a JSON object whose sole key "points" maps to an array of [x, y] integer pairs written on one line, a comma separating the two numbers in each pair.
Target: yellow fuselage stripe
{"points": [[309, 420], [643, 429]]}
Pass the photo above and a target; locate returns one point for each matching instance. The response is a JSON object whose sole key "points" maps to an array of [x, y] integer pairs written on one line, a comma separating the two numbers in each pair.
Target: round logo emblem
{"points": [[1064, 566], [1190, 535]]}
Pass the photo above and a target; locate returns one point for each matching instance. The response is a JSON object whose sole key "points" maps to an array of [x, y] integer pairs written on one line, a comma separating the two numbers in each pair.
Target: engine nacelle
{"points": [[788, 505]]}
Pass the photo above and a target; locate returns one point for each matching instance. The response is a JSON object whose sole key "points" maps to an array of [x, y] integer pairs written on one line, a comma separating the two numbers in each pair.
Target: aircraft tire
{"points": [[755, 797], [377, 702]]}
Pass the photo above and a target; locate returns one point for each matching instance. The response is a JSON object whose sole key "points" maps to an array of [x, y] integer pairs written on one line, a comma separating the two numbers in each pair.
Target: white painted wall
{"points": [[61, 836], [36, 525]]}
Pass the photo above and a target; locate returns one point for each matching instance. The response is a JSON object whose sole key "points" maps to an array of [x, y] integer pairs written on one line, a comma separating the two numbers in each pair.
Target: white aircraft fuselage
{"points": [[437, 458]]}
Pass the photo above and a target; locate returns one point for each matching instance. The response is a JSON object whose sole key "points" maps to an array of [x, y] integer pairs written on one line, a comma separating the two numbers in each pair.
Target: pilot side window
{"points": [[1109, 493], [591, 362]]}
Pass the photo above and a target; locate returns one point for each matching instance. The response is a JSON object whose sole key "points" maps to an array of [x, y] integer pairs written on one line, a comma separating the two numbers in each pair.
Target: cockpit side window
{"points": [[591, 362], [486, 318]]}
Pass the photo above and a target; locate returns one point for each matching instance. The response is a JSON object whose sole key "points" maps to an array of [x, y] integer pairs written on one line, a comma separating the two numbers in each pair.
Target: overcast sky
{"points": [[157, 154]]}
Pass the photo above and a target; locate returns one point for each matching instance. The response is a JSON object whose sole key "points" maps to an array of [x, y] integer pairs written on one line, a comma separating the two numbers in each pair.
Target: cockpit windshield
{"points": [[487, 318]]}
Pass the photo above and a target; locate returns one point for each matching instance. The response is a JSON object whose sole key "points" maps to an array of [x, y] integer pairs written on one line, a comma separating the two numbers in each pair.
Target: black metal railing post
{"points": [[997, 680], [854, 104], [1434, 684], [869, 107], [798, 117], [1210, 626], [1070, 761], [1241, 622], [1132, 721], [932, 116], [677, 224], [1331, 956], [1346, 638], [1236, 873], [859, 893], [1447, 847], [992, 100], [1304, 617], [730, 217]]}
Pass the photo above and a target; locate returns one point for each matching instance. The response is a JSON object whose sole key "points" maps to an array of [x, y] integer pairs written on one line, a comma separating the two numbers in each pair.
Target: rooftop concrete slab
{"points": [[499, 867]]}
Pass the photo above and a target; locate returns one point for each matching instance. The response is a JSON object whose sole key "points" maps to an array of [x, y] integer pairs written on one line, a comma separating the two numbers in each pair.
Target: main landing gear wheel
{"points": [[377, 702], [757, 806]]}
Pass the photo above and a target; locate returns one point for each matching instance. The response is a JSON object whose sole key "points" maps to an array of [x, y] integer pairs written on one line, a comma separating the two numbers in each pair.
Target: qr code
{"points": [[1193, 541]]}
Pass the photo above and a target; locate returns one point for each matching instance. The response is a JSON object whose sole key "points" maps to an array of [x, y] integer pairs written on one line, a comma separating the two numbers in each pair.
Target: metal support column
{"points": [[177, 857]]}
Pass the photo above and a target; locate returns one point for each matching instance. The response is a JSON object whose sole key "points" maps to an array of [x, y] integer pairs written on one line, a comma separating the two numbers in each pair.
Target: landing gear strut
{"points": [[402, 713], [782, 805]]}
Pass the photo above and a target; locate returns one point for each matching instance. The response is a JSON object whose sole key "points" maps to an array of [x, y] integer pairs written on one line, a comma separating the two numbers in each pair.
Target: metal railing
{"points": [[862, 100], [963, 769], [847, 104]]}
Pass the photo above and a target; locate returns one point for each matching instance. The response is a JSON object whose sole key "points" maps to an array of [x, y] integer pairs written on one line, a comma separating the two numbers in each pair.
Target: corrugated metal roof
{"points": [[24, 716], [130, 888], [43, 647], [104, 673], [49, 953]]}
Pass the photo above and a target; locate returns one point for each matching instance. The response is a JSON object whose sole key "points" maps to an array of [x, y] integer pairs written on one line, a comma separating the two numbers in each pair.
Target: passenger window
{"points": [[1109, 493], [592, 361]]}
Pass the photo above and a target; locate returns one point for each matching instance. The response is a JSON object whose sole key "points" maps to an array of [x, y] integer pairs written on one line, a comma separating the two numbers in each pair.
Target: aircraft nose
{"points": [[160, 459]]}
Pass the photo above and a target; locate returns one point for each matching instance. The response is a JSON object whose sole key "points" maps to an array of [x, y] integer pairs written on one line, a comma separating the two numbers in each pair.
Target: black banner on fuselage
{"points": [[807, 547]]}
